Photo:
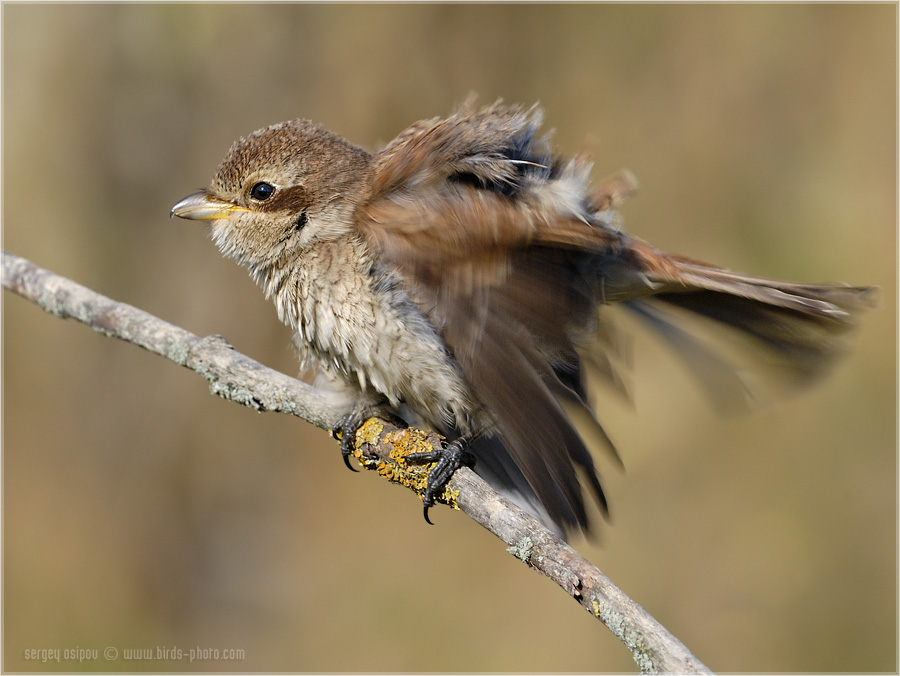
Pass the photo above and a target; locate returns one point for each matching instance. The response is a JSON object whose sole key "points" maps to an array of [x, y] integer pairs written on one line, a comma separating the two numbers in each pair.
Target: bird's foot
{"points": [[449, 459], [348, 425]]}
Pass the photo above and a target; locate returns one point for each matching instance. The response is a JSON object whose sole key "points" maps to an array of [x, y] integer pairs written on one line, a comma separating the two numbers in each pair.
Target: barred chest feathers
{"points": [[355, 321]]}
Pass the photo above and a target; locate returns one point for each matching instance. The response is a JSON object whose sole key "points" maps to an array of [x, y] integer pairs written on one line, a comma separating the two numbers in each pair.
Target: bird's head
{"points": [[278, 192]]}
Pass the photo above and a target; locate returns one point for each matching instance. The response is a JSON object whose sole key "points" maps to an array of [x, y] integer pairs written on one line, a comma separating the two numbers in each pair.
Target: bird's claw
{"points": [[449, 459], [345, 429]]}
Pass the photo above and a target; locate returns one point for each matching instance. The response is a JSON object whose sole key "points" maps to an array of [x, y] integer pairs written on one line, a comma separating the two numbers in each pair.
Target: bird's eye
{"points": [[262, 191]]}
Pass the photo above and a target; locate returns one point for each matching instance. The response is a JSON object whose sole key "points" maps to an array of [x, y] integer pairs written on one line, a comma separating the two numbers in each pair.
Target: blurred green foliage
{"points": [[140, 512]]}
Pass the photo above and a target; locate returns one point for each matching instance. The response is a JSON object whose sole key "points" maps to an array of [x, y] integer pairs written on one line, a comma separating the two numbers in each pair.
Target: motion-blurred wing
{"points": [[458, 209]]}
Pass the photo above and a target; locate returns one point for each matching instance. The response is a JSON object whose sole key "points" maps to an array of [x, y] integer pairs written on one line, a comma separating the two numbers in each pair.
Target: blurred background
{"points": [[141, 512]]}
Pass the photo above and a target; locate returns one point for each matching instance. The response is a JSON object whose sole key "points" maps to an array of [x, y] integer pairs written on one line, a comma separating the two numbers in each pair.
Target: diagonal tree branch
{"points": [[380, 446]]}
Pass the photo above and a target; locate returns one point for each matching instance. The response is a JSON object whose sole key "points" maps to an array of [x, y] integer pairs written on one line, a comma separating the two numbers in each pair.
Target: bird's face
{"points": [[278, 192]]}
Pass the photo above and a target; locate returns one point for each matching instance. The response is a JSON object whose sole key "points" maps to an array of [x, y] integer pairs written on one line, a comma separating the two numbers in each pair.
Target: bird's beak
{"points": [[201, 207]]}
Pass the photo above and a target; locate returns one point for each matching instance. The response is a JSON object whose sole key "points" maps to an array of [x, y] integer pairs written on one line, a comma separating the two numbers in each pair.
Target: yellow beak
{"points": [[201, 207]]}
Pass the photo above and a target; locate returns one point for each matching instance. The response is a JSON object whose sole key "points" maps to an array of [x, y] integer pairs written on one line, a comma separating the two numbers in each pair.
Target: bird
{"points": [[461, 277]]}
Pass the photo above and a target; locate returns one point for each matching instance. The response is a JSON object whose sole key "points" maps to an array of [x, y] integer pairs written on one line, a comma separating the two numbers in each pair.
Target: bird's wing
{"points": [[508, 251], [489, 233]]}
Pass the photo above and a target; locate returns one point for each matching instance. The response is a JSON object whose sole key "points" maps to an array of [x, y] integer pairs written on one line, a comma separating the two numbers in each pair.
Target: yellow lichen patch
{"points": [[369, 432], [397, 470]]}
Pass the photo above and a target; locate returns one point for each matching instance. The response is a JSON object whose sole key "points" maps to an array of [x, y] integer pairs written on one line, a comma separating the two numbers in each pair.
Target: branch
{"points": [[380, 446], [231, 375]]}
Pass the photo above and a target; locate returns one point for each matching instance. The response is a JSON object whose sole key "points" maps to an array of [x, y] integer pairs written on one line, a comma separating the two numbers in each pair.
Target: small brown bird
{"points": [[454, 278]]}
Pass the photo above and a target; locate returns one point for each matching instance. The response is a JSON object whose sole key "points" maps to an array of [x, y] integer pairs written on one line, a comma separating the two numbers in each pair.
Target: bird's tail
{"points": [[798, 328]]}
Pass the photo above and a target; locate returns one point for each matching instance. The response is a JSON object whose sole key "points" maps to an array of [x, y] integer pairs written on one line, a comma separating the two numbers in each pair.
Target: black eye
{"points": [[262, 191]]}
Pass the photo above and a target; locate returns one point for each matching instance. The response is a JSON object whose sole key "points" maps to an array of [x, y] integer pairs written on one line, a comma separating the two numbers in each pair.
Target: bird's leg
{"points": [[449, 459], [347, 425]]}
